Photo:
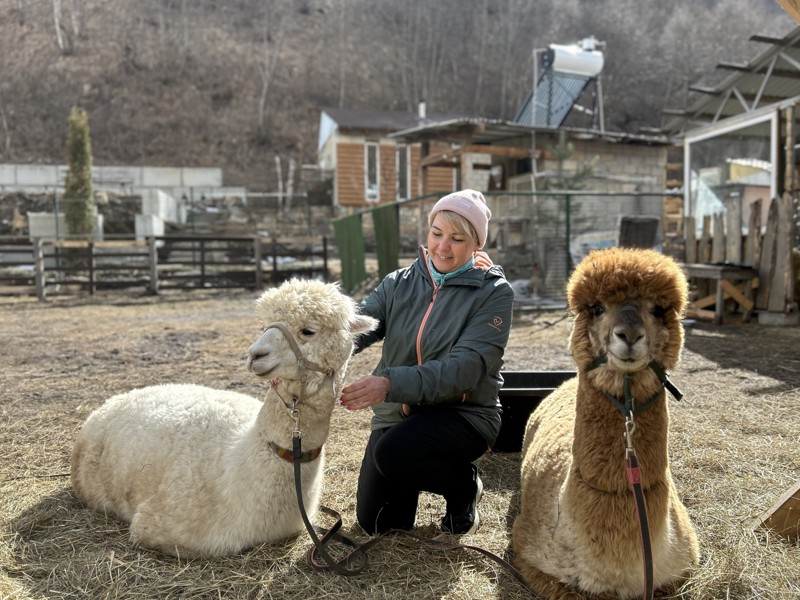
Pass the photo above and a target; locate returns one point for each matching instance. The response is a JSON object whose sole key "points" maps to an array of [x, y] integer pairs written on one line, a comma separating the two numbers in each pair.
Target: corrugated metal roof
{"points": [[771, 77], [382, 120], [487, 131]]}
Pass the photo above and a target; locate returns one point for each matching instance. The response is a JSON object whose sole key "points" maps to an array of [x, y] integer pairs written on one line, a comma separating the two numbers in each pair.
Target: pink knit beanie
{"points": [[469, 204]]}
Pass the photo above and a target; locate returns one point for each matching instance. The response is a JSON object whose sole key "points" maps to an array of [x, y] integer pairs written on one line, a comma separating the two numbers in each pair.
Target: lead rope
{"points": [[635, 482], [319, 544], [358, 552], [628, 407]]}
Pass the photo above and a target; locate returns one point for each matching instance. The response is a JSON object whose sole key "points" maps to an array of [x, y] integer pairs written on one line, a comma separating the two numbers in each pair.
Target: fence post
{"points": [[274, 261], [257, 259], [202, 263], [38, 252], [151, 243], [568, 233], [325, 256], [90, 248]]}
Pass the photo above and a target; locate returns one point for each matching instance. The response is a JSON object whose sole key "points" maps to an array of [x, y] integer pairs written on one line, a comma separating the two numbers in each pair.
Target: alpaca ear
{"points": [[362, 324]]}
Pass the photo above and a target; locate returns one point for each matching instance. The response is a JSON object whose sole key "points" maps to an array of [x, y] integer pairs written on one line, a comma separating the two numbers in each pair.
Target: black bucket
{"points": [[520, 395]]}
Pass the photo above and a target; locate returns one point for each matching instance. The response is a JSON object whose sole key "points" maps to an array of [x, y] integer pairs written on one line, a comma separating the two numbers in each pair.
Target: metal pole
{"points": [[257, 258], [568, 233], [153, 265], [39, 262], [536, 52], [90, 248]]}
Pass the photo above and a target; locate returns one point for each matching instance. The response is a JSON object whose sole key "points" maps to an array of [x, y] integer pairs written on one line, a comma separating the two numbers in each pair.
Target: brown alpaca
{"points": [[577, 534]]}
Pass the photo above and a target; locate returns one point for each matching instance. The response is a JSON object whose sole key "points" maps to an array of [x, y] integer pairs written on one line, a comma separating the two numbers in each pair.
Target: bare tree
{"points": [[421, 34], [270, 54], [343, 58], [57, 22], [21, 12], [76, 18], [66, 36], [6, 133]]}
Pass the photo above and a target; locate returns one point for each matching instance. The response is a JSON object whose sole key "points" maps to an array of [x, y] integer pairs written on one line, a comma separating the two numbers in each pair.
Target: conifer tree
{"points": [[78, 194]]}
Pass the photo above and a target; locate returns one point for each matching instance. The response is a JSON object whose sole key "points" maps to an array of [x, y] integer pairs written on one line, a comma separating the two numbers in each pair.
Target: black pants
{"points": [[430, 451]]}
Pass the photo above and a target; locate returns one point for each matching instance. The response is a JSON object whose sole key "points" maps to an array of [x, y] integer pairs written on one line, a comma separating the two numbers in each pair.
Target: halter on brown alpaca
{"points": [[577, 531]]}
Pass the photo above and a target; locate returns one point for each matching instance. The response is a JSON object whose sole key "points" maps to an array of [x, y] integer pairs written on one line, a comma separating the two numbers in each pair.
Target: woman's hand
{"points": [[367, 391]]}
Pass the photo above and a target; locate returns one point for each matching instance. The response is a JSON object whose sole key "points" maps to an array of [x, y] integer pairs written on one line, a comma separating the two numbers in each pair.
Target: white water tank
{"points": [[581, 58]]}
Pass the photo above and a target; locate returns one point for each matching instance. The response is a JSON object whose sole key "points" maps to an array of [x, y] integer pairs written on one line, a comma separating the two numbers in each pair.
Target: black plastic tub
{"points": [[521, 393]]}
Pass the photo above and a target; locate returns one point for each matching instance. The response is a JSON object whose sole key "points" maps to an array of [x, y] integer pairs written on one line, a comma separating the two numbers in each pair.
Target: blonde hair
{"points": [[460, 225]]}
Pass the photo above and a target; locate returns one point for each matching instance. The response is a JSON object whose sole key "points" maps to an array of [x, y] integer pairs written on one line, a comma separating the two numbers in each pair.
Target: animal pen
{"points": [[539, 237], [158, 263]]}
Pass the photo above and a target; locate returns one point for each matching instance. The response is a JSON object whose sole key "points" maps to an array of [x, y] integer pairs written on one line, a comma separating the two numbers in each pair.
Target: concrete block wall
{"points": [[162, 205], [148, 225], [39, 178], [45, 225]]}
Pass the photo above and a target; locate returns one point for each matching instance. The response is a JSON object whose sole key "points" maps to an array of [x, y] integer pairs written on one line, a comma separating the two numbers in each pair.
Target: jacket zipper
{"points": [[405, 408], [427, 312]]}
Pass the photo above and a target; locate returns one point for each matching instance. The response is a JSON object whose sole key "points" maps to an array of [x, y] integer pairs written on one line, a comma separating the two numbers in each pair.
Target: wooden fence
{"points": [[766, 250], [157, 263]]}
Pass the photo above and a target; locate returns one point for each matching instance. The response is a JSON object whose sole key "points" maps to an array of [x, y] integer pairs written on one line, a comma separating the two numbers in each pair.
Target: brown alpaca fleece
{"points": [[577, 534]]}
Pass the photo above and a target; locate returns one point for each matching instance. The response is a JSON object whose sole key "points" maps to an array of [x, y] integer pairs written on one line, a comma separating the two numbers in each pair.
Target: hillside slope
{"points": [[236, 83]]}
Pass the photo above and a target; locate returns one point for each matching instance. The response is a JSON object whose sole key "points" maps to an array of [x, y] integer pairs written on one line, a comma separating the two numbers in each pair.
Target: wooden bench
{"points": [[724, 274]]}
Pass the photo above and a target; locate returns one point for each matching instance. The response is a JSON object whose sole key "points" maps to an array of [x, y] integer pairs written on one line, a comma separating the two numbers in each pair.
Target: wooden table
{"points": [[724, 274]]}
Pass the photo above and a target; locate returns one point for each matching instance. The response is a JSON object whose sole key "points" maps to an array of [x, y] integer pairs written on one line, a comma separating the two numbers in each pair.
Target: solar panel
{"points": [[556, 94]]}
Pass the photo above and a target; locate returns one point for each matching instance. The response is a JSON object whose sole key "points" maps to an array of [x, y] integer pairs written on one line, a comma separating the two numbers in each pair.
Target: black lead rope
{"points": [[360, 552], [635, 481], [319, 544]]}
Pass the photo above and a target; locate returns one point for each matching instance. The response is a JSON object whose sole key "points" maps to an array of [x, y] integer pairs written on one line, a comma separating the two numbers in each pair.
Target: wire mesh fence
{"points": [[537, 237]]}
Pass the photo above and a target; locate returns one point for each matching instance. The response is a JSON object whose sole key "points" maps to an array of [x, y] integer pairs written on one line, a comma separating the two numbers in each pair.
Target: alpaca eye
{"points": [[308, 332], [597, 309], [658, 312]]}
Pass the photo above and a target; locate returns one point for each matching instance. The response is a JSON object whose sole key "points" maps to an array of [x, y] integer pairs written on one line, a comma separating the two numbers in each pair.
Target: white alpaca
{"points": [[203, 472], [577, 534]]}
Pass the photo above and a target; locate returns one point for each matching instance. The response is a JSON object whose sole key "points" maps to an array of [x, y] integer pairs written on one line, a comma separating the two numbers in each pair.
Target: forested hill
{"points": [[235, 83]]}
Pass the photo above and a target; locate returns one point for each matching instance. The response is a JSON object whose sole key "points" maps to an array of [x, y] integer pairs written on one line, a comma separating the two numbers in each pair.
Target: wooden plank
{"points": [[699, 313], [784, 516], [704, 248], [718, 240], [740, 289], [766, 262], [504, 151], [691, 240], [17, 290], [733, 229], [789, 142], [731, 291], [792, 7], [752, 244], [67, 243], [779, 298], [120, 243]]}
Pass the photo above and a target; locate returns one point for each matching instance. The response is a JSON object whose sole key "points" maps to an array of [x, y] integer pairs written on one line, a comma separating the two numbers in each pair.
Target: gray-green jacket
{"points": [[442, 346]]}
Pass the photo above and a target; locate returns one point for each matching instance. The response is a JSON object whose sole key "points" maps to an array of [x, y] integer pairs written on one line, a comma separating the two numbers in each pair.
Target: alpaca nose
{"points": [[629, 327], [630, 334], [255, 352]]}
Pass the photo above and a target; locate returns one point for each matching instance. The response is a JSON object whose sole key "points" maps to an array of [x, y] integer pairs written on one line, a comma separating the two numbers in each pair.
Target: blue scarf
{"points": [[440, 278]]}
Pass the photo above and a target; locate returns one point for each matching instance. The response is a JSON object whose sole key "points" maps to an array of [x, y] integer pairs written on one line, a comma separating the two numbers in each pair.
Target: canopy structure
{"points": [[771, 77]]}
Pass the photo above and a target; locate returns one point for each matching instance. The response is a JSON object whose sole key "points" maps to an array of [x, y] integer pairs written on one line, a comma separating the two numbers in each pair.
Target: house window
{"points": [[403, 173], [372, 173]]}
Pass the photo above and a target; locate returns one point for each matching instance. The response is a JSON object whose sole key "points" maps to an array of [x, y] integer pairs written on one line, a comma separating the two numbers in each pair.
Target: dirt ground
{"points": [[734, 443]]}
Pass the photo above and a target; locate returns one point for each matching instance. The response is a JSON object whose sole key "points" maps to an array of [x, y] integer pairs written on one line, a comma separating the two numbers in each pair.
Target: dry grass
{"points": [[733, 443]]}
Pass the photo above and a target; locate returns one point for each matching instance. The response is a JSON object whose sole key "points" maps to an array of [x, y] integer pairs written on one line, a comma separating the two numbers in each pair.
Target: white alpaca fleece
{"points": [[194, 469]]}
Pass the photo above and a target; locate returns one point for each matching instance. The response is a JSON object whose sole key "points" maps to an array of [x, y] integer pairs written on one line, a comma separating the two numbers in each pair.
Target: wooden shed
{"points": [[368, 166]]}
